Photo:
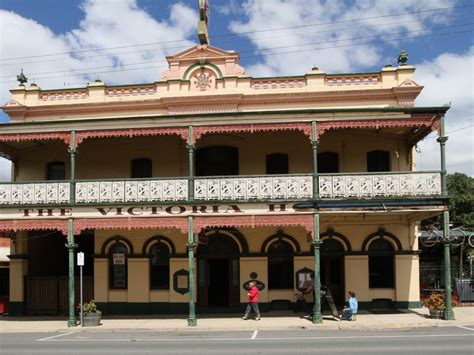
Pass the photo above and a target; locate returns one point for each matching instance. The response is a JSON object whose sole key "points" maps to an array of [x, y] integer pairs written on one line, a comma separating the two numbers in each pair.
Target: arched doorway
{"points": [[218, 271], [332, 269]]}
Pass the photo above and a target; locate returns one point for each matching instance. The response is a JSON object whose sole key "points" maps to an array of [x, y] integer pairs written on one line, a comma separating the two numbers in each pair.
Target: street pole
{"points": [[80, 263], [192, 321], [448, 312], [317, 316], [314, 145]]}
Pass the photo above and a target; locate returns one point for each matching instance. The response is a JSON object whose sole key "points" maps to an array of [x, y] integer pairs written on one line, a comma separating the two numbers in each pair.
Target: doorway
{"points": [[217, 160], [332, 269], [218, 272]]}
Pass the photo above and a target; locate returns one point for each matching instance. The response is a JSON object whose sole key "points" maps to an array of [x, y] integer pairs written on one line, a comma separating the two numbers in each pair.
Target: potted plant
{"points": [[436, 303], [91, 316]]}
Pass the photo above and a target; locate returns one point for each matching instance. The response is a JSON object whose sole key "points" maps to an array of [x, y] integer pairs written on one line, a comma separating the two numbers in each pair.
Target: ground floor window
{"points": [[118, 266], [280, 265], [159, 266], [381, 264]]}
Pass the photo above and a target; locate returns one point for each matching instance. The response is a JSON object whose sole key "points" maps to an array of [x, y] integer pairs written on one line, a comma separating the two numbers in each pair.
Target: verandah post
{"points": [[71, 247], [314, 145], [192, 321], [317, 316], [448, 312], [191, 164], [73, 153]]}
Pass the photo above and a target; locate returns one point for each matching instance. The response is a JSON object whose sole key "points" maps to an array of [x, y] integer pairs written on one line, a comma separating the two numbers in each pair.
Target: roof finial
{"points": [[204, 15], [22, 79], [402, 58]]}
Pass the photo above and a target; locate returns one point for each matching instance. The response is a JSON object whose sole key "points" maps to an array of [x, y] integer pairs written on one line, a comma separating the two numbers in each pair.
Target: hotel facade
{"points": [[181, 191]]}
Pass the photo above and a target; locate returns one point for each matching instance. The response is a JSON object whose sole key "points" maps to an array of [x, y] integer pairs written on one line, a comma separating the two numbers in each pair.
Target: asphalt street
{"points": [[454, 340]]}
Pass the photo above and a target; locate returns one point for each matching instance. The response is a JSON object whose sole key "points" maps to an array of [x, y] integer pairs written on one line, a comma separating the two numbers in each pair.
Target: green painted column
{"points": [[314, 144], [192, 321], [71, 247], [73, 153], [448, 312], [191, 164], [442, 144], [317, 315]]}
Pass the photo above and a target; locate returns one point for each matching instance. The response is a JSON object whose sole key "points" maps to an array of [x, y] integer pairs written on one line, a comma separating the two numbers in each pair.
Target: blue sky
{"points": [[274, 37]]}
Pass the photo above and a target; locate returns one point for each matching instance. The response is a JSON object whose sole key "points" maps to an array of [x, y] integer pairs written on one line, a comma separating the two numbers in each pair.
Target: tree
{"points": [[461, 204]]}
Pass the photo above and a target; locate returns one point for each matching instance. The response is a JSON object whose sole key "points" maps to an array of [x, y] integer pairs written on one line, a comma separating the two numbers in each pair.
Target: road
{"points": [[443, 340]]}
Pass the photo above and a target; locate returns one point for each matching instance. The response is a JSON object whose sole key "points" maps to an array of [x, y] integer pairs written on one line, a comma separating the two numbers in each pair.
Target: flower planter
{"points": [[92, 319], [437, 313]]}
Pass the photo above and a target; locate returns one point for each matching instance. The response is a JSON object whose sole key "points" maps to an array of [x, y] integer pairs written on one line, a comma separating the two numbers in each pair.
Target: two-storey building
{"points": [[181, 191]]}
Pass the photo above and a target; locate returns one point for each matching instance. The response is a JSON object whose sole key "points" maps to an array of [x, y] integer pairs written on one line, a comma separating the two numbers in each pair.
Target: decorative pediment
{"points": [[408, 83], [13, 103], [223, 63]]}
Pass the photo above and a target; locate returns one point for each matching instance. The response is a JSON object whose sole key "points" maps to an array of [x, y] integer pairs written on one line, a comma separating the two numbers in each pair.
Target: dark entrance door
{"points": [[332, 269], [218, 272]]}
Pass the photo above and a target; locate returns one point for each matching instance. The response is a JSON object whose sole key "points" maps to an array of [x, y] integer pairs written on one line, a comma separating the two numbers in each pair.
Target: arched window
{"points": [[378, 160], [141, 168], [381, 264], [56, 170], [159, 266], [118, 266], [280, 265], [277, 163]]}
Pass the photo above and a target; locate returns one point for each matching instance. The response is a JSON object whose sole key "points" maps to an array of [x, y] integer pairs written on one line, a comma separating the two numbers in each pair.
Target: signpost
{"points": [[80, 263]]}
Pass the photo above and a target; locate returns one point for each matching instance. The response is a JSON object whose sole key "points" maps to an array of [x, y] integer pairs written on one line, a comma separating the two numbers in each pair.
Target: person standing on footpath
{"points": [[253, 301]]}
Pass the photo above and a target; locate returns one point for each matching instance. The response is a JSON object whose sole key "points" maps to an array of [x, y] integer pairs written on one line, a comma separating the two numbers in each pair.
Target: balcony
{"points": [[235, 188]]}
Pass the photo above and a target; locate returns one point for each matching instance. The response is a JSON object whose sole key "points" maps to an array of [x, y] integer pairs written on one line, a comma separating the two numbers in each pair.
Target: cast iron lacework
{"points": [[52, 192], [253, 188], [415, 184]]}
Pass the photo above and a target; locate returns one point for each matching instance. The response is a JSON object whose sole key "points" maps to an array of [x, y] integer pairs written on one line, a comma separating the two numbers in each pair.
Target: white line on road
{"points": [[375, 337], [460, 326], [55, 336], [254, 335]]}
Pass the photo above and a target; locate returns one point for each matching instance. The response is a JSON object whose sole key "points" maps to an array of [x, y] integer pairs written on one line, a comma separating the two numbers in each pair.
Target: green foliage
{"points": [[461, 205], [90, 307]]}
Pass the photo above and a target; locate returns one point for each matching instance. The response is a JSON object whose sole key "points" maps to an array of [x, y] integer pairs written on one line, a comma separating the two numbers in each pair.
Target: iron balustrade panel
{"points": [[132, 191], [34, 193], [380, 185], [225, 188], [253, 187]]}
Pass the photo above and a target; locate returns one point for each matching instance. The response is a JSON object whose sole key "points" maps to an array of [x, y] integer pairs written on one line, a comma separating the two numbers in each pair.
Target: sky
{"points": [[64, 44]]}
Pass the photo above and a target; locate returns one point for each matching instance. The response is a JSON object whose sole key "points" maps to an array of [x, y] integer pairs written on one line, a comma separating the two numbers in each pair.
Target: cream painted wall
{"points": [[258, 265], [18, 267], [108, 158], [354, 228]]}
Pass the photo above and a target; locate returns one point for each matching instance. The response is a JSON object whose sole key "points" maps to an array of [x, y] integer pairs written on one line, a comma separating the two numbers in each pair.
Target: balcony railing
{"points": [[380, 185], [225, 188]]}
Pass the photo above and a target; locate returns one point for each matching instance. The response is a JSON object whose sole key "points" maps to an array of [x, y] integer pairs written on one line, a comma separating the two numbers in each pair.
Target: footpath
{"points": [[270, 321]]}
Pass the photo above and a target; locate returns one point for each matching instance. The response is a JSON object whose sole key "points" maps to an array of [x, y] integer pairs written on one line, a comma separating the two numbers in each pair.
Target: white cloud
{"points": [[261, 15], [449, 78], [106, 24]]}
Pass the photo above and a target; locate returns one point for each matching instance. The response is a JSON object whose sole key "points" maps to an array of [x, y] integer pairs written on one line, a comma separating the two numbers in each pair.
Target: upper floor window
{"points": [[217, 160], [328, 162], [280, 265], [118, 266], [378, 160], [159, 266], [277, 163], [56, 170], [141, 168], [381, 264]]}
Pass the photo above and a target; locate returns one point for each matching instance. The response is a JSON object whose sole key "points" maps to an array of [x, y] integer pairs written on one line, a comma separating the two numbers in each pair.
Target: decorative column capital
{"points": [[442, 140], [316, 243], [191, 246]]}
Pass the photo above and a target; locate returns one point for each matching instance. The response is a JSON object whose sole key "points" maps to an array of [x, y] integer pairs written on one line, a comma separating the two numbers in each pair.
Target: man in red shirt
{"points": [[253, 301]]}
